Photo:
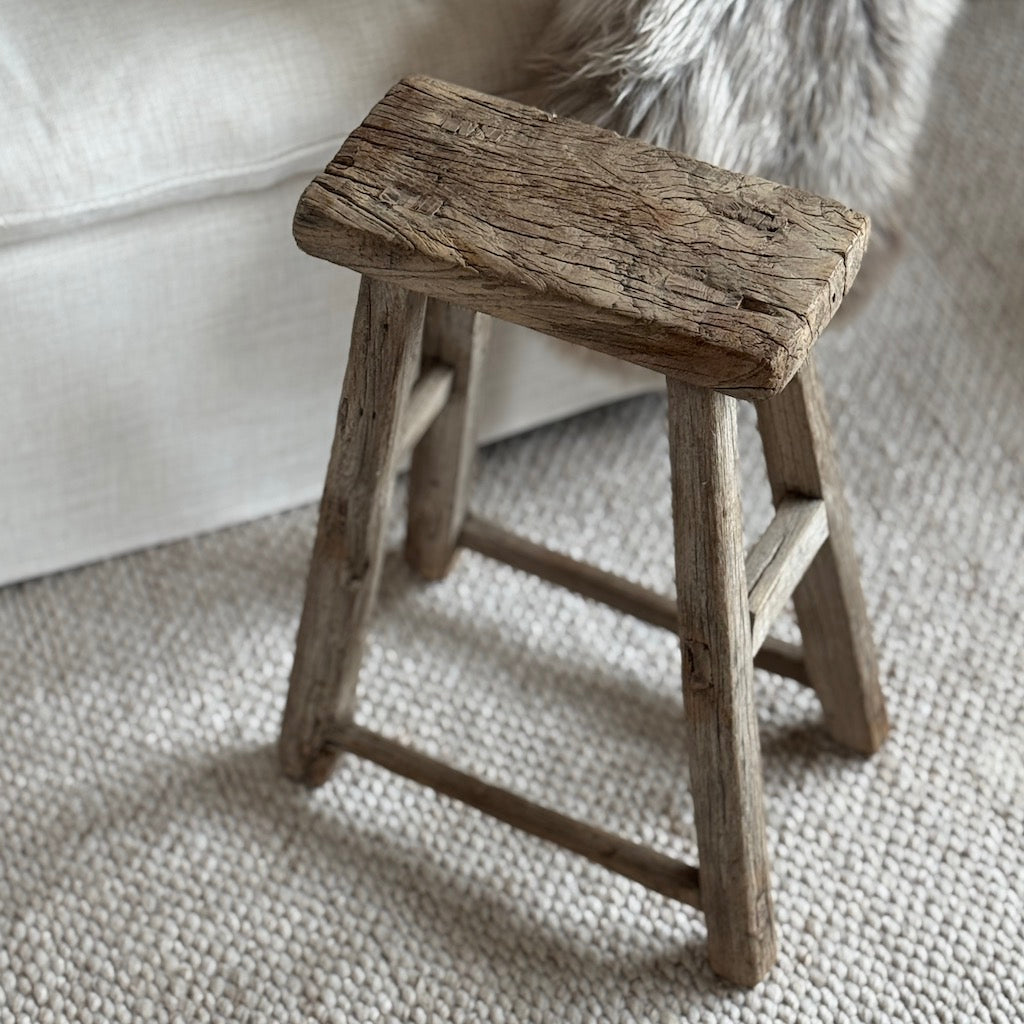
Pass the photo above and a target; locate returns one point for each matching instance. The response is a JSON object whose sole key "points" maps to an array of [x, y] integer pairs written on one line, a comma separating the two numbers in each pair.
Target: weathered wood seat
{"points": [[712, 277], [450, 203]]}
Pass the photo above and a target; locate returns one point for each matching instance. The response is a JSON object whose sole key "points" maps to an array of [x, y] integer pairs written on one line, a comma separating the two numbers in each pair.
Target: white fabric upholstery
{"points": [[171, 362], [158, 382], [111, 106], [165, 383]]}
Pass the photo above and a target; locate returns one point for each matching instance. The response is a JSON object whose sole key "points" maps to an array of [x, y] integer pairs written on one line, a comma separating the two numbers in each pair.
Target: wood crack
{"points": [[713, 277]]}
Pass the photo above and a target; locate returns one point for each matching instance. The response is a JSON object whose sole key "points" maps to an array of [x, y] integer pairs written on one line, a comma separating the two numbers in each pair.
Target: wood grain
{"points": [[383, 362], [655, 870], [439, 479], [777, 562], [838, 646], [714, 634], [713, 277], [428, 397]]}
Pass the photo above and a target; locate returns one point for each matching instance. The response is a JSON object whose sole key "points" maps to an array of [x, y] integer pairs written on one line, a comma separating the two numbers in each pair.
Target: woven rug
{"points": [[154, 865]]}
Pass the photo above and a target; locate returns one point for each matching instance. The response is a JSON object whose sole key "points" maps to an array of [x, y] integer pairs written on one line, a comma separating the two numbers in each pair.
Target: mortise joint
{"points": [[697, 665]]}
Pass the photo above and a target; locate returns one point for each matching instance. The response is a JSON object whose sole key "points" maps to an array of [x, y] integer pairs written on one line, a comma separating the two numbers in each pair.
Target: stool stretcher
{"points": [[656, 871]]}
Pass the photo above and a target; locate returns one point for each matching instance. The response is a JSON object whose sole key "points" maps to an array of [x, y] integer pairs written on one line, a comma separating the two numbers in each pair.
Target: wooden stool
{"points": [[719, 281]]}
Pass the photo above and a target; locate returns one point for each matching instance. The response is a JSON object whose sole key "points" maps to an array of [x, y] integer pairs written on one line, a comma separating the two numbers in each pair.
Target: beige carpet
{"points": [[155, 867]]}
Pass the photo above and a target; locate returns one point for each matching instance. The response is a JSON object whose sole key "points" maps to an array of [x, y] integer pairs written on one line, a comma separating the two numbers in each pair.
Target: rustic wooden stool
{"points": [[719, 281]]}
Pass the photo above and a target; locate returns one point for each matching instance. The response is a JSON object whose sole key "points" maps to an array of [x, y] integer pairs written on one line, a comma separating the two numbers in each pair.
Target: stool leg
{"points": [[838, 647], [439, 479], [383, 363], [714, 633]]}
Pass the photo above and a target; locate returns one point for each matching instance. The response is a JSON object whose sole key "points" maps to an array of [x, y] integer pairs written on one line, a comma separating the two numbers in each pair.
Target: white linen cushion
{"points": [[110, 107], [173, 363], [159, 381]]}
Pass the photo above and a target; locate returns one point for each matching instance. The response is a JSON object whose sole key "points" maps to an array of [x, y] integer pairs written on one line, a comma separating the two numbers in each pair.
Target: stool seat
{"points": [[718, 279]]}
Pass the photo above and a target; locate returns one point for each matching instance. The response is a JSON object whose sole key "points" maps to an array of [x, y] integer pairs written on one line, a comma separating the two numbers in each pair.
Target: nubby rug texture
{"points": [[155, 866]]}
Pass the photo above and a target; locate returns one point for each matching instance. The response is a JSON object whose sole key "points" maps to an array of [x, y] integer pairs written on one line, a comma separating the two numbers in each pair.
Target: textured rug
{"points": [[154, 866]]}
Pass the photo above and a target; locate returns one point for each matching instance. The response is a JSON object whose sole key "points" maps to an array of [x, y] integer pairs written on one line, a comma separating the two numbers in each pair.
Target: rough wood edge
{"points": [[776, 564], [654, 870], [494, 541], [405, 226], [344, 569]]}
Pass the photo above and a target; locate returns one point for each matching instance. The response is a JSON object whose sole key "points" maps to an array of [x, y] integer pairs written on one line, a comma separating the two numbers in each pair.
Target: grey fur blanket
{"points": [[826, 95]]}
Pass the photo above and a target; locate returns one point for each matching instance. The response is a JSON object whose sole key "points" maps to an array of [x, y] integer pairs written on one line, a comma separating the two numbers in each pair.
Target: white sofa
{"points": [[171, 362]]}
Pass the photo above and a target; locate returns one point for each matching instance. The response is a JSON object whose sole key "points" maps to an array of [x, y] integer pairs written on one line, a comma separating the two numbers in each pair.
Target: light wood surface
{"points": [[717, 278], [439, 480], [837, 641], [655, 870], [714, 634], [429, 396], [383, 363], [777, 562]]}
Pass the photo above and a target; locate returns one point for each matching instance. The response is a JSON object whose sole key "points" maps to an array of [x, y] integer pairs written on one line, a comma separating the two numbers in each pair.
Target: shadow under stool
{"points": [[455, 206]]}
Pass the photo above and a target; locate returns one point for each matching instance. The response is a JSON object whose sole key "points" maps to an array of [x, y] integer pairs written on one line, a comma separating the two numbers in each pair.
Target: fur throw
{"points": [[826, 95]]}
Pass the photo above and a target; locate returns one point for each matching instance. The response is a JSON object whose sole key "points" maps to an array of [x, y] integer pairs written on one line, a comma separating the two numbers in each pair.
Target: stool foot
{"points": [[838, 646], [714, 633], [383, 363], [442, 463]]}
